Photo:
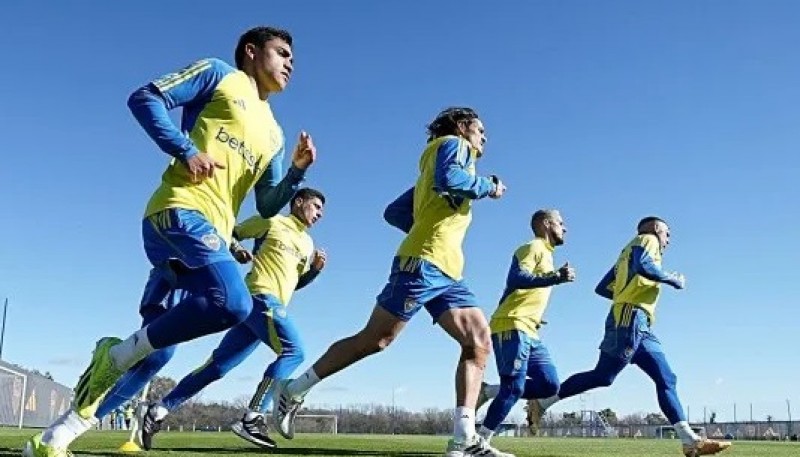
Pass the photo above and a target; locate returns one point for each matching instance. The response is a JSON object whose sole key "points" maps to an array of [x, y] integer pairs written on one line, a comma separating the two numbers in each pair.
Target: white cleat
{"points": [[284, 409], [477, 446]]}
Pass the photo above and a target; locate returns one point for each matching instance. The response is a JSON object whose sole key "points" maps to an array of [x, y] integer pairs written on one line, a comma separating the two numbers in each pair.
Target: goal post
{"points": [[13, 391], [317, 423]]}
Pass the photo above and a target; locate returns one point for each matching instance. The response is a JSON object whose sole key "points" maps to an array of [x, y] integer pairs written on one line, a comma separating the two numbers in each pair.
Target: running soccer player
{"points": [[523, 361], [284, 261], [227, 141], [426, 272], [633, 286]]}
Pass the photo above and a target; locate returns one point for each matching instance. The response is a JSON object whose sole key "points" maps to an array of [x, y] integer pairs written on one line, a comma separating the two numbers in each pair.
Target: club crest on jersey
{"points": [[628, 352], [409, 304], [212, 241], [517, 364], [240, 103]]}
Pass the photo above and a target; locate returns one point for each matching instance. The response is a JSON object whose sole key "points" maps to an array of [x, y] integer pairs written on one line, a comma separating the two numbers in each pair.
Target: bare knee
{"points": [[477, 347], [371, 343]]}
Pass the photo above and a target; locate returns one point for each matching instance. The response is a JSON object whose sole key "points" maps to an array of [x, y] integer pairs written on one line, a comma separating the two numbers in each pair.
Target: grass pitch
{"points": [[205, 444]]}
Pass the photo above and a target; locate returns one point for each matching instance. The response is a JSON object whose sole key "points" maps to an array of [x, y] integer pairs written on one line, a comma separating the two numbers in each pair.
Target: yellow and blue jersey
{"points": [[440, 205], [223, 117], [527, 292], [635, 280], [282, 255]]}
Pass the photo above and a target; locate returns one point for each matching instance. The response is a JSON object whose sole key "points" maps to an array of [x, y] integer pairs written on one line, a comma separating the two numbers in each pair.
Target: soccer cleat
{"points": [[477, 446], [150, 426], [705, 447], [35, 448], [285, 409], [254, 431], [97, 380], [483, 397], [535, 414]]}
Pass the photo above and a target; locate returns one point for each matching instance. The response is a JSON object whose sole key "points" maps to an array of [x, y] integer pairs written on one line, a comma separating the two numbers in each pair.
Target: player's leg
{"points": [[401, 298], [455, 311], [71, 425], [619, 343], [218, 299], [651, 359], [512, 352], [159, 296], [238, 343], [275, 329], [542, 379]]}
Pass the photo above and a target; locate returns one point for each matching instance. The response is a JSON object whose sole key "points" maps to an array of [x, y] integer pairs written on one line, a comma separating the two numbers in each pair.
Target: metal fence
{"points": [[774, 430], [29, 399]]}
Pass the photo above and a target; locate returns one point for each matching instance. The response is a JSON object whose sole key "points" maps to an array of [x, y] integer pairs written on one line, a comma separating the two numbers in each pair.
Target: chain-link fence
{"points": [[29, 399]]}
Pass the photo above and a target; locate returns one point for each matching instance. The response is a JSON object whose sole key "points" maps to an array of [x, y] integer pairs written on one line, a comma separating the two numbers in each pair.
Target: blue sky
{"points": [[609, 111]]}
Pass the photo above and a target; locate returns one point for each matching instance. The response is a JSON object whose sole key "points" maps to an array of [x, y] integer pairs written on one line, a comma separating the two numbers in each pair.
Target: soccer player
{"points": [[284, 261], [523, 362], [228, 143], [633, 286], [426, 272]]}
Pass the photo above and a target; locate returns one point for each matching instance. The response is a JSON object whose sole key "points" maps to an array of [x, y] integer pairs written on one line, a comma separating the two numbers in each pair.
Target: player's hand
{"points": [[243, 256], [566, 273], [499, 187], [305, 153], [202, 166], [320, 257], [677, 280]]}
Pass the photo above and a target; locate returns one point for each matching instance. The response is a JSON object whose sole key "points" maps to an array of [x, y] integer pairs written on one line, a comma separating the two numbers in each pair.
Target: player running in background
{"points": [[633, 285], [227, 141], [523, 361], [426, 272], [284, 261]]}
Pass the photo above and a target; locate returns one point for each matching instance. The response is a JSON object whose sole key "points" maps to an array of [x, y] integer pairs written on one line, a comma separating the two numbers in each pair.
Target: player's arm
{"points": [[150, 104], [645, 266], [274, 189], [603, 288], [451, 175], [520, 275], [400, 212], [317, 265]]}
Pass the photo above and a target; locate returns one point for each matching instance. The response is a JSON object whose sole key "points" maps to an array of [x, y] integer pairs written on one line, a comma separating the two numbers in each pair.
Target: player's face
{"points": [[273, 65], [558, 230], [662, 233], [308, 210], [475, 134]]}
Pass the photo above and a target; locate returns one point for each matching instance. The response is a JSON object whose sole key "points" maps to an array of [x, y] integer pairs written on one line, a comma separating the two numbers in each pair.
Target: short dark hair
{"points": [[446, 122], [648, 220], [307, 192], [258, 36], [540, 215]]}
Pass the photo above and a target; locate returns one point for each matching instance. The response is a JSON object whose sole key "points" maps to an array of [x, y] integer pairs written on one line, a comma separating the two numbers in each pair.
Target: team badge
{"points": [[409, 304], [212, 241], [517, 365]]}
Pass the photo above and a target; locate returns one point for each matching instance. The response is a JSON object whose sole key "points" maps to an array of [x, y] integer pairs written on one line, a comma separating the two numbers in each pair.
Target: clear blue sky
{"points": [[609, 111]]}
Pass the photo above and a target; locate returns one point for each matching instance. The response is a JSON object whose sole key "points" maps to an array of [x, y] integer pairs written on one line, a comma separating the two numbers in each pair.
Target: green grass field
{"points": [[226, 444]]}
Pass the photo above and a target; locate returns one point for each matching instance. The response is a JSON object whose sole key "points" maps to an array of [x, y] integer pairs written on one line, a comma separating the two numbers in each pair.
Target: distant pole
{"points": [[393, 410], [734, 412], [688, 414], [789, 410], [704, 414], [751, 412], [3, 332]]}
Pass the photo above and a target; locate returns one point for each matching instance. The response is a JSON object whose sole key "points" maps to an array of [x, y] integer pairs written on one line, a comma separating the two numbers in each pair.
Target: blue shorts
{"points": [[631, 335], [517, 353], [184, 235], [414, 283]]}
